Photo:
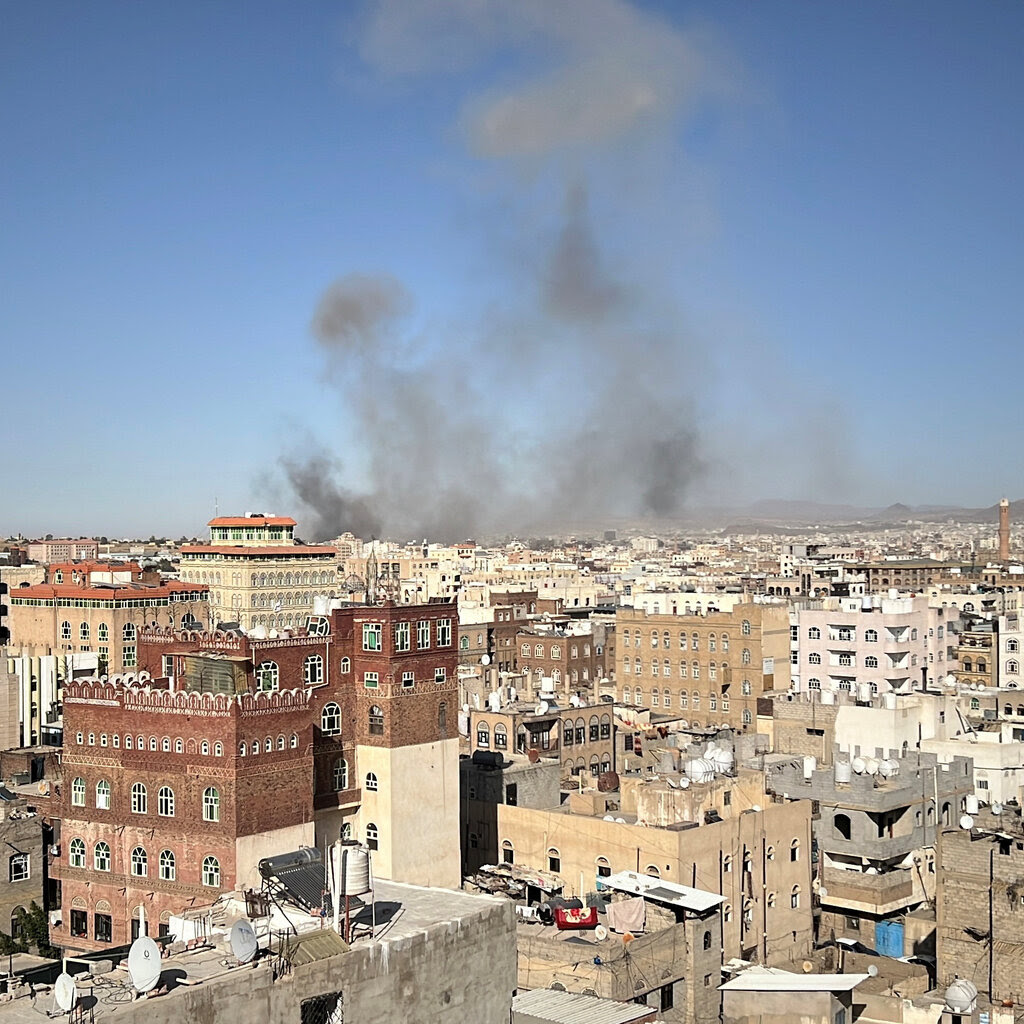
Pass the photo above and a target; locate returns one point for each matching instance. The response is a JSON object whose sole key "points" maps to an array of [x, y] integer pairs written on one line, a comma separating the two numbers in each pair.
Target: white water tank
{"points": [[889, 700], [463, 723], [971, 803], [888, 768], [547, 684], [828, 697], [871, 765], [700, 769], [353, 869], [961, 996], [723, 760], [864, 693], [843, 771], [858, 764], [810, 763], [321, 605], [494, 701]]}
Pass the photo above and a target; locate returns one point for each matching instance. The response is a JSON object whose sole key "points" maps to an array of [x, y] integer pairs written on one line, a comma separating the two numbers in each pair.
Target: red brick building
{"points": [[251, 747]]}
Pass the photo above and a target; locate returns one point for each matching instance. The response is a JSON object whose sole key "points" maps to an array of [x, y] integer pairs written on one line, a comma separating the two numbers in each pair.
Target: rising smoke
{"points": [[575, 404]]}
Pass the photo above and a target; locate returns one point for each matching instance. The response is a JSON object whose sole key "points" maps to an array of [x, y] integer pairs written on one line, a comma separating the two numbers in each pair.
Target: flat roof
{"points": [[252, 521], [771, 979], [573, 1008], [670, 893]]}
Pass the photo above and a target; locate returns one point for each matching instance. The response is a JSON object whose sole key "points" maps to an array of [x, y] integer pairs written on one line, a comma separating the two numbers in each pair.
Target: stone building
{"points": [[980, 905], [254, 747], [25, 837], [709, 669], [62, 550], [256, 573]]}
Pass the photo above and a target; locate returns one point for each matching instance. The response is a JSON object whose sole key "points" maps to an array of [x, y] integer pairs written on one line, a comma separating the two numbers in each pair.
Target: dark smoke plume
{"points": [[575, 407]]}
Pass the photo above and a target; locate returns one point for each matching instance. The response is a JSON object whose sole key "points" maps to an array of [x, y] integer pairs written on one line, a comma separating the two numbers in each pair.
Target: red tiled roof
{"points": [[252, 521], [91, 566], [257, 552]]}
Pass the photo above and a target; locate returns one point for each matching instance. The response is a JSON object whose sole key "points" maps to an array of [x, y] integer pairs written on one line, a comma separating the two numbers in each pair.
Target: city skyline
{"points": [[453, 256]]}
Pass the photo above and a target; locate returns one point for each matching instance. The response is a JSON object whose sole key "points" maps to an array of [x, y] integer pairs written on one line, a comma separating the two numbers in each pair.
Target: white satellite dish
{"points": [[485, 660], [967, 823], [243, 941], [600, 933], [64, 992], [872, 970], [997, 808], [542, 708], [144, 964], [822, 892]]}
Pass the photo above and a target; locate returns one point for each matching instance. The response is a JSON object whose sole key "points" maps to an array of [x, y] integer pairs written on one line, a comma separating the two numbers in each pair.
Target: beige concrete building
{"points": [[757, 855], [708, 669], [256, 573], [66, 618]]}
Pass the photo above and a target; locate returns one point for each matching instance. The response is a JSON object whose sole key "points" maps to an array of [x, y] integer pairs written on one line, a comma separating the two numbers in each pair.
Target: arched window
{"points": [[140, 799], [340, 775], [695, 700], [242, 749], [371, 782], [218, 749], [211, 804], [1012, 647], [794, 897], [684, 699], [267, 675], [346, 666], [1012, 666], [152, 743], [268, 745], [794, 850], [745, 656], [179, 747], [483, 736], [83, 631], [127, 743], [211, 871], [372, 836], [101, 857], [842, 825], [871, 636], [165, 802], [554, 860], [814, 633], [204, 747], [165, 744], [814, 659], [76, 853], [707, 940], [975, 704], [128, 632], [294, 742], [695, 670], [78, 793], [747, 717], [313, 670], [538, 650], [376, 720], [870, 661], [140, 862], [346, 831], [65, 630], [103, 632], [167, 866], [103, 795], [745, 627], [330, 719]]}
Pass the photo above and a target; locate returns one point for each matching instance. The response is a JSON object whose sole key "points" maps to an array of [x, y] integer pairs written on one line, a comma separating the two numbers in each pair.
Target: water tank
{"points": [[843, 771], [810, 763], [723, 760], [271, 866], [353, 870], [334, 604], [871, 766], [258, 633], [494, 701], [828, 697], [971, 803], [961, 996], [463, 723], [547, 684], [865, 603], [887, 768], [889, 700], [321, 605], [893, 593], [700, 769], [864, 693], [858, 764]]}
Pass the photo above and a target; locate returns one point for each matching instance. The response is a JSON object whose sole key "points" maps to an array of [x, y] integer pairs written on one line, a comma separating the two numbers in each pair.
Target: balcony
{"points": [[882, 893], [350, 797]]}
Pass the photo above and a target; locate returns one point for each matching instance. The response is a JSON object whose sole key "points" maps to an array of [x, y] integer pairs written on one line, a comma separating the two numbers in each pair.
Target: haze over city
{"points": [[446, 268]]}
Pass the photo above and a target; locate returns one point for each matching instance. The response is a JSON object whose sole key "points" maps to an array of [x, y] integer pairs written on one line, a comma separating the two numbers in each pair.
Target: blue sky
{"points": [[750, 249]]}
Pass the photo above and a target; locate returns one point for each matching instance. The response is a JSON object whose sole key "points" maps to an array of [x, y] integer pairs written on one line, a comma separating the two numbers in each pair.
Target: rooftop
{"points": [[573, 1008], [669, 893], [771, 979]]}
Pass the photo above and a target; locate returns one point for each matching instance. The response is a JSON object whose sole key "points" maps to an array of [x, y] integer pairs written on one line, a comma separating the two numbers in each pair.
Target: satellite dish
{"points": [[967, 823], [671, 784], [144, 964], [600, 933], [485, 660], [997, 808], [807, 967], [542, 708], [822, 892], [243, 941], [64, 992], [872, 970]]}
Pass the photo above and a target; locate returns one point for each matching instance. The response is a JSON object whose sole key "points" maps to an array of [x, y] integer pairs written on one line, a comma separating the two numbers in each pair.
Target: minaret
{"points": [[1004, 531]]}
